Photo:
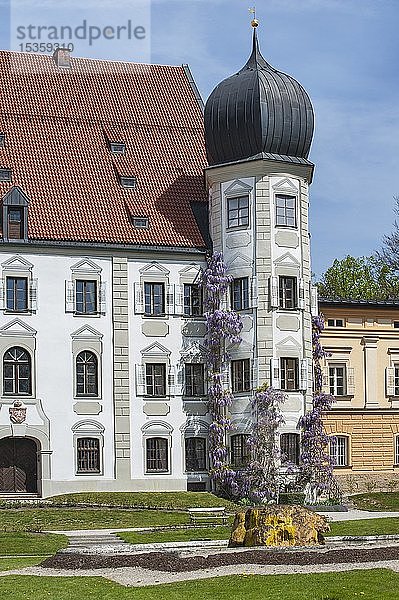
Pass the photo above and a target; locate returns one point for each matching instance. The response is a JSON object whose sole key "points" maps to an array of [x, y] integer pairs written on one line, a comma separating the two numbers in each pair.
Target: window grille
{"points": [[157, 455], [339, 451], [88, 455], [289, 446]]}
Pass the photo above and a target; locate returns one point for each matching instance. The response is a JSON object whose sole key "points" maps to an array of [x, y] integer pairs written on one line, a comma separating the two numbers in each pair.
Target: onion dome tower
{"points": [[258, 111], [258, 131]]}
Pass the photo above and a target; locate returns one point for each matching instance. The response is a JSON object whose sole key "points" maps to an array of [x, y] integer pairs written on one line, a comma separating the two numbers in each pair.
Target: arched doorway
{"points": [[18, 465]]}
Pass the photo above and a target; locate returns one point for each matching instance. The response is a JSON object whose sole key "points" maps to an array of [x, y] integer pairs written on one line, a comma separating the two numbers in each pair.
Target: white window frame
{"points": [[340, 450]]}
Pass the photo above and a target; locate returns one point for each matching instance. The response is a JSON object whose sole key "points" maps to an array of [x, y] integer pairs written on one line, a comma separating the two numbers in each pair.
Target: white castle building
{"points": [[106, 225]]}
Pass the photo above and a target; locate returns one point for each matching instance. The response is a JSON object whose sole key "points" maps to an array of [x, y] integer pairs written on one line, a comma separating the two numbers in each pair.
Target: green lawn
{"points": [[13, 543], [171, 500], [387, 526], [176, 535], [8, 564], [366, 585], [380, 501], [39, 519]]}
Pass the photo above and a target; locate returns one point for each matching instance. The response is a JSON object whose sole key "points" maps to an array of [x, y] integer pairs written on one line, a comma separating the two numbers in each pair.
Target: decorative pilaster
{"points": [[370, 344], [120, 318]]}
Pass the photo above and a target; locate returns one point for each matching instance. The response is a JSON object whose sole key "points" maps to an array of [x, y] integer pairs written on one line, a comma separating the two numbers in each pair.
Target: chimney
{"points": [[62, 58]]}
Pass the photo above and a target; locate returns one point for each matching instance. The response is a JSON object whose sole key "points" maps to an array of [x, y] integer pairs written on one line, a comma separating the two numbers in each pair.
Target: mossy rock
{"points": [[278, 525]]}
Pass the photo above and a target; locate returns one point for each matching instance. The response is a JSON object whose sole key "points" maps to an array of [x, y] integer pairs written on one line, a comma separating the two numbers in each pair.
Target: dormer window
{"points": [[15, 215], [5, 174], [2, 140], [118, 147], [140, 222], [15, 223], [129, 182]]}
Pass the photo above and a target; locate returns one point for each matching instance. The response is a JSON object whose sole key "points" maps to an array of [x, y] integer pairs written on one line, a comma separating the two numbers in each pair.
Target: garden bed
{"points": [[172, 562]]}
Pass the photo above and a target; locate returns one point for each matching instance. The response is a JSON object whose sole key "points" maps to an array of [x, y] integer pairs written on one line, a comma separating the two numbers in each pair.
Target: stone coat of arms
{"points": [[17, 413]]}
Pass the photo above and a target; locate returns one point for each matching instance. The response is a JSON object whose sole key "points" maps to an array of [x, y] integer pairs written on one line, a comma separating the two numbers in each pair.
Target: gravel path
{"points": [[138, 577]]}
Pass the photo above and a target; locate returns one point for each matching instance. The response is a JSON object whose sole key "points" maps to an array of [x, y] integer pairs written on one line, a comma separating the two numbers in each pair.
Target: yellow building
{"points": [[362, 372]]}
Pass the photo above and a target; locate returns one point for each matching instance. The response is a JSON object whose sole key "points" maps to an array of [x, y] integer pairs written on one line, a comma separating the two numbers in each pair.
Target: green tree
{"points": [[359, 278]]}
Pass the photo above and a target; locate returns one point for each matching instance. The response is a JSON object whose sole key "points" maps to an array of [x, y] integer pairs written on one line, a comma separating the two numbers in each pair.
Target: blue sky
{"points": [[345, 53]]}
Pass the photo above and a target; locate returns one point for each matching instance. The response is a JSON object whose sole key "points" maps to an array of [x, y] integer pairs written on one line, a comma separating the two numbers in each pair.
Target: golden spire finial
{"points": [[254, 21]]}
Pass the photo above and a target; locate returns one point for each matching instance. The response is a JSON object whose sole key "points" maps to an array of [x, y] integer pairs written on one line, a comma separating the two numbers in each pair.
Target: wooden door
{"points": [[18, 465]]}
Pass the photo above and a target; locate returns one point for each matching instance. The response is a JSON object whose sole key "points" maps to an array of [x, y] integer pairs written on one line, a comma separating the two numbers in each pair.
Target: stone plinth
{"points": [[277, 525]]}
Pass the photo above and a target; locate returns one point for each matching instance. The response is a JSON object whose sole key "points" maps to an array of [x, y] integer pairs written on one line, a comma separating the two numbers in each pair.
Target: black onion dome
{"points": [[257, 111]]}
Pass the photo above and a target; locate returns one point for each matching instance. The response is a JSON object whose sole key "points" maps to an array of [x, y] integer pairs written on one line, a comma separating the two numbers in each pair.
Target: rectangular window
{"points": [[157, 455], [289, 446], [129, 182], [337, 379], [238, 211], [194, 379], [15, 223], [192, 300], [155, 379], [85, 297], [285, 210], [335, 322], [154, 299], [17, 294], [241, 375], [289, 373], [339, 450], [239, 450], [195, 454], [288, 297], [88, 455], [140, 222], [240, 293], [118, 147]]}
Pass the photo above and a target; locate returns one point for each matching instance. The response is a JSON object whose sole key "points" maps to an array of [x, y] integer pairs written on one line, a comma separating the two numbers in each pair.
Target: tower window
{"points": [[5, 174], [240, 293], [285, 210], [289, 374], [288, 292], [238, 211]]}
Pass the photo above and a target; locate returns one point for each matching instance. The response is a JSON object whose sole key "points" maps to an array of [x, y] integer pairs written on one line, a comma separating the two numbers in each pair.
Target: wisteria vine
{"points": [[223, 327], [316, 463], [261, 479]]}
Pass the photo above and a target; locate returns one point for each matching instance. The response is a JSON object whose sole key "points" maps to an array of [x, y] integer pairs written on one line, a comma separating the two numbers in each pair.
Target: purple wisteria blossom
{"points": [[223, 327]]}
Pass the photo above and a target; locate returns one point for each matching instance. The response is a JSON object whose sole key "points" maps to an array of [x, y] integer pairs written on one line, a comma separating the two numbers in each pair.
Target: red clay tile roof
{"points": [[58, 123]]}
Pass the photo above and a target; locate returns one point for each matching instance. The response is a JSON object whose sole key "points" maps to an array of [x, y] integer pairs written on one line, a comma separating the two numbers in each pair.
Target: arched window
{"points": [[17, 372], [289, 445], [239, 450], [157, 459], [86, 374]]}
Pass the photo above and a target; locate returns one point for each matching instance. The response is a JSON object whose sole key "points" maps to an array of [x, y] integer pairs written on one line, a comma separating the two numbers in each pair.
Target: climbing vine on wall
{"points": [[223, 328], [316, 464], [260, 481]]}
